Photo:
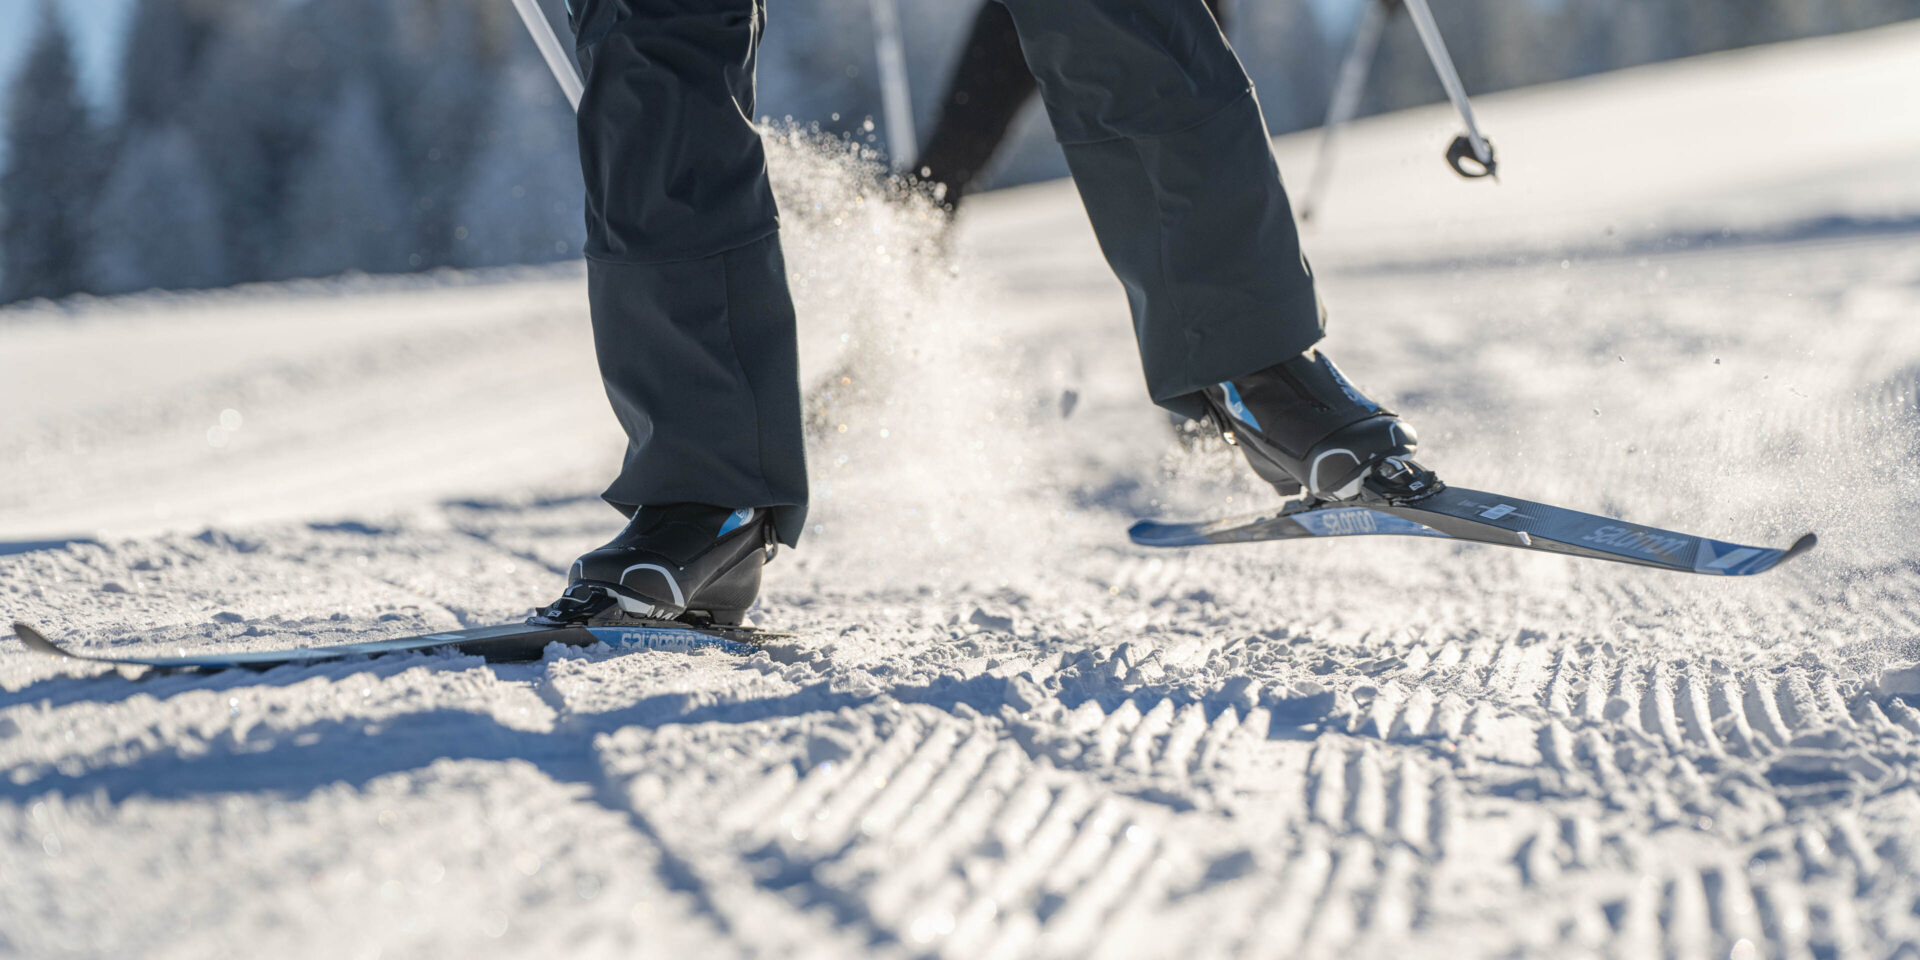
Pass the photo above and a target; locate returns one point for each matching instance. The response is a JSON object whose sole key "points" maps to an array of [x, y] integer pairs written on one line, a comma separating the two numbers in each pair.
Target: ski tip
{"points": [[34, 640]]}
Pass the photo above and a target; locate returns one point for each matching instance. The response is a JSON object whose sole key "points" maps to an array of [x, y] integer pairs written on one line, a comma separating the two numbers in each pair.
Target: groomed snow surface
{"points": [[999, 730]]}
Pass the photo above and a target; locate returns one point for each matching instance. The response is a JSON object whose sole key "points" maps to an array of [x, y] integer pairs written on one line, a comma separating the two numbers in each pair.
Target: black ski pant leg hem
{"points": [[701, 366]]}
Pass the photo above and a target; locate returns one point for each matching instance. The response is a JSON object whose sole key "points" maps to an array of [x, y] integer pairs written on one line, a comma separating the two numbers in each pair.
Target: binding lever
{"points": [[579, 604], [1401, 480]]}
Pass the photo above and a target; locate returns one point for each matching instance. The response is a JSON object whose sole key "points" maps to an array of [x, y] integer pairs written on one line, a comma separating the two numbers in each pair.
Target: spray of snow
{"points": [[918, 431]]}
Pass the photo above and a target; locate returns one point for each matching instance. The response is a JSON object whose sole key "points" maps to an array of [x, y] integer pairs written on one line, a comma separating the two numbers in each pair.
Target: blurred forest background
{"points": [[252, 140]]}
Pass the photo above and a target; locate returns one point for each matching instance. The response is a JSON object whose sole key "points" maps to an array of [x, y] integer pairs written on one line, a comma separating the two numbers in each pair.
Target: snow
{"points": [[1000, 730]]}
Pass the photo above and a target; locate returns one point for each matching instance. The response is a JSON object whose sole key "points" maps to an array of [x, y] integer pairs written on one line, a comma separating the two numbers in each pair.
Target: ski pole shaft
{"points": [[1346, 97], [890, 49], [551, 50], [1449, 77], [1359, 62]]}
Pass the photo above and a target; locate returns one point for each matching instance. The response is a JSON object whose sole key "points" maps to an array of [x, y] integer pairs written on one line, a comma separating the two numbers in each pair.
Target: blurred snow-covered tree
{"points": [[270, 92], [1624, 33], [523, 202], [347, 205], [46, 193], [438, 81], [265, 87], [166, 41], [157, 222]]}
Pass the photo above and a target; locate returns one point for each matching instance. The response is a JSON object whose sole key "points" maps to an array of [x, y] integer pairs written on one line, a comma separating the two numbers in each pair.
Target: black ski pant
{"points": [[692, 322]]}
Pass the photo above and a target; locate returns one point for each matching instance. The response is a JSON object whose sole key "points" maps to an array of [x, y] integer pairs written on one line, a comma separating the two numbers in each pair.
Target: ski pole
{"points": [[1482, 151], [890, 49], [1346, 97], [551, 50]]}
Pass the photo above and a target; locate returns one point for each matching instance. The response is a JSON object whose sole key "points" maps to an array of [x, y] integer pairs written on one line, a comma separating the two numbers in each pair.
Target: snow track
{"points": [[1000, 730]]}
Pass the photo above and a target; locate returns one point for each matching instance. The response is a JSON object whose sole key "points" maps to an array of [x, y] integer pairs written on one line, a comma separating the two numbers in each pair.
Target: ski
{"points": [[501, 643], [1461, 514]]}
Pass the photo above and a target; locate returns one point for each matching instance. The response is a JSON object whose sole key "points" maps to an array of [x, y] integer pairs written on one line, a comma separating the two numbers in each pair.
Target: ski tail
{"points": [[37, 642]]}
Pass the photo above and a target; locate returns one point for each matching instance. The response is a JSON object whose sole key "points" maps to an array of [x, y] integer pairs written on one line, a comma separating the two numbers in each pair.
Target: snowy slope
{"points": [[1002, 731]]}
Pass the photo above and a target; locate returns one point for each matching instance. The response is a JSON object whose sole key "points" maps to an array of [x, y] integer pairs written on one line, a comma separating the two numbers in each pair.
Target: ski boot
{"points": [[683, 561], [1304, 427]]}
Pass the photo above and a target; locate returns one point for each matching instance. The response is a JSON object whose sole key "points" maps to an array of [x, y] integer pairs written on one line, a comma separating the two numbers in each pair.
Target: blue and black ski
{"points": [[1461, 514]]}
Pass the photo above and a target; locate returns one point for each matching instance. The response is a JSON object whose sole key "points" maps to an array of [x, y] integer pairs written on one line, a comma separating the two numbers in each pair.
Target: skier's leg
{"points": [[692, 320], [1170, 153], [989, 86]]}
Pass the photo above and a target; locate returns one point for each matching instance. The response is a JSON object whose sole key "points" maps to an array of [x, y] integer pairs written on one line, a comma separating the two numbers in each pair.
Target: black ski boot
{"points": [[682, 561], [1302, 425]]}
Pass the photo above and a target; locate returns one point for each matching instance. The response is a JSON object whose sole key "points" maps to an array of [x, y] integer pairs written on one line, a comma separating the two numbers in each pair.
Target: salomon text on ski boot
{"points": [[1302, 425], [683, 561]]}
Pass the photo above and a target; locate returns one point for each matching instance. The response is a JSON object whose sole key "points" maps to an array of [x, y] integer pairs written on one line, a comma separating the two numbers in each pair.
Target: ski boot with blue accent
{"points": [[1305, 428], [682, 561]]}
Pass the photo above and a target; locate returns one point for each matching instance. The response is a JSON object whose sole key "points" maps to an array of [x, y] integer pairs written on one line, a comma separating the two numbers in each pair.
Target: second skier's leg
{"points": [[692, 322], [988, 87], [1168, 148]]}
